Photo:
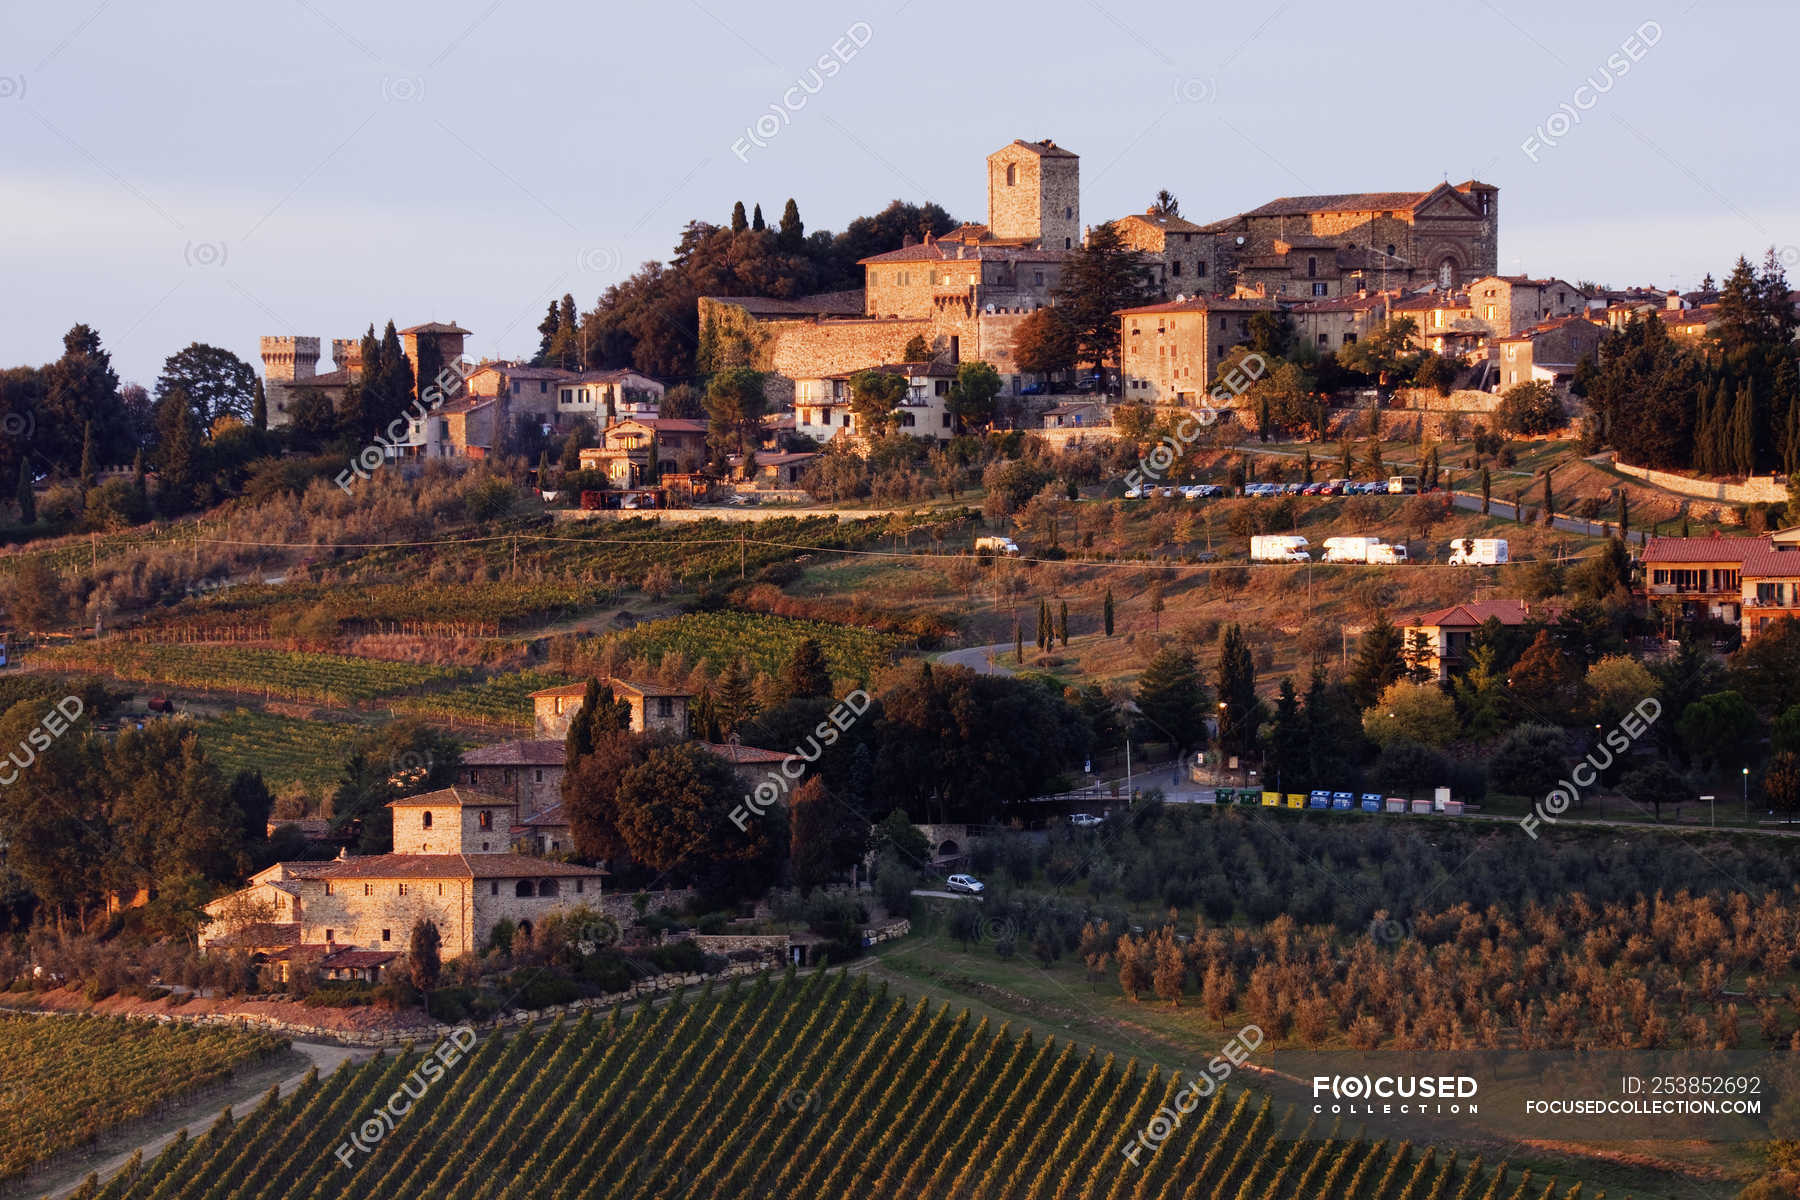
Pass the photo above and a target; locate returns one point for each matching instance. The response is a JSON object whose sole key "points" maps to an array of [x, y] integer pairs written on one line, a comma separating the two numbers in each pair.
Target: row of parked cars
{"points": [[1187, 491]]}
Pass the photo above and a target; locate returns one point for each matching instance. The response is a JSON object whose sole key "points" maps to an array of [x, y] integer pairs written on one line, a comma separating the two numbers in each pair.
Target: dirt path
{"points": [[66, 1173]]}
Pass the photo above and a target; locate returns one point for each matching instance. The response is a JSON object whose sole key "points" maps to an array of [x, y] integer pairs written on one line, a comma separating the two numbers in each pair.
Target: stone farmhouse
{"points": [[452, 864]]}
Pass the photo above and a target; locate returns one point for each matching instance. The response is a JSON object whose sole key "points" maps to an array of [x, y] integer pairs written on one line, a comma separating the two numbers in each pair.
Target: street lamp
{"points": [[1746, 795]]}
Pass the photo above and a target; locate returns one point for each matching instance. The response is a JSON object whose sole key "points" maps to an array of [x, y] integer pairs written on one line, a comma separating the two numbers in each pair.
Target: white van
{"points": [[1478, 552], [1279, 547], [996, 545]]}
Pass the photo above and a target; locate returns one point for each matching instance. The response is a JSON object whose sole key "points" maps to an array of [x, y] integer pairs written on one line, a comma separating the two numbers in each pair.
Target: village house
{"points": [[1746, 581], [1441, 639], [1509, 304], [1330, 325], [654, 708], [1445, 324], [1171, 351], [636, 451], [603, 397], [1548, 353], [1180, 254], [451, 865], [822, 408]]}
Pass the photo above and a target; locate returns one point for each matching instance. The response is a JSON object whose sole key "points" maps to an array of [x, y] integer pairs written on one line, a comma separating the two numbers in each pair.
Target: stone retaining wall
{"points": [[1758, 489]]}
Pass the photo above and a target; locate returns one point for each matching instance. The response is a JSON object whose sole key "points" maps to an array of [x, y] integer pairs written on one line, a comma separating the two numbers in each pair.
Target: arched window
{"points": [[1012, 174], [426, 820], [523, 888], [546, 887]]}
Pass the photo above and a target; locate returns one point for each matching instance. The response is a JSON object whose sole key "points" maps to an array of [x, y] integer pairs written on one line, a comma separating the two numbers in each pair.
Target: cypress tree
{"points": [[1684, 525], [27, 499], [1549, 502], [792, 232], [1743, 433], [1306, 465], [1487, 491], [1107, 614], [739, 221], [1062, 624], [87, 455], [1624, 516], [1018, 641], [259, 407], [757, 225]]}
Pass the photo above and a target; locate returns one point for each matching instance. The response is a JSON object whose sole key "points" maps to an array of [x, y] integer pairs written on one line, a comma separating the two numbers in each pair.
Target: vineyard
{"points": [[500, 700], [808, 1090], [696, 553], [274, 674], [67, 1081], [763, 642], [284, 749], [480, 608]]}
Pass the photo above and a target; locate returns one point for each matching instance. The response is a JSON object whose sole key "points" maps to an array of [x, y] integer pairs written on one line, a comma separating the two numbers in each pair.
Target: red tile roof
{"points": [[1298, 206], [435, 327], [1204, 304], [358, 960], [1475, 613], [1702, 550], [1163, 222], [747, 755], [460, 797], [455, 866], [524, 752]]}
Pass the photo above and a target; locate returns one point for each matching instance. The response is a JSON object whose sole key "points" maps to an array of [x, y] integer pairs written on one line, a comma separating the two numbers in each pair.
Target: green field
{"points": [[275, 674], [501, 700], [764, 642], [810, 1090], [284, 749], [70, 1079]]}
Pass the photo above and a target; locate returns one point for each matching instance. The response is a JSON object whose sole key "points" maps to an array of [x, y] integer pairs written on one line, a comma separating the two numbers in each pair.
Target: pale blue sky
{"points": [[471, 159]]}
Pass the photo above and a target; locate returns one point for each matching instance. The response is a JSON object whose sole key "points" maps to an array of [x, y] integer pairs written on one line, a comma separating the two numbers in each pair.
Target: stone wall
{"points": [[620, 907], [774, 944], [1462, 400], [1757, 489]]}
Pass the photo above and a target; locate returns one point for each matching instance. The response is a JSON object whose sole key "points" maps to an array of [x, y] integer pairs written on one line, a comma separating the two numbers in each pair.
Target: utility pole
{"points": [[741, 554]]}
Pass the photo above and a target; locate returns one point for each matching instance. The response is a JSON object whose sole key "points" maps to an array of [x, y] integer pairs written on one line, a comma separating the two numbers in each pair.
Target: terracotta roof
{"points": [[1296, 206], [523, 752], [1509, 612], [672, 424], [455, 866], [625, 685], [435, 327], [1205, 304], [314, 869], [1044, 149], [461, 797], [1702, 550], [1432, 300], [742, 756], [1769, 560], [1163, 222]]}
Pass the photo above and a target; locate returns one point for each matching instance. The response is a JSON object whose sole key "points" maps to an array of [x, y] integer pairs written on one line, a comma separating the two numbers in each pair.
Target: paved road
{"points": [[944, 895], [325, 1057], [977, 658]]}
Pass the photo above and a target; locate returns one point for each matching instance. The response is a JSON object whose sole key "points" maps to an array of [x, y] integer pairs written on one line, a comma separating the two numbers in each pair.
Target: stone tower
{"points": [[1034, 195], [346, 355], [286, 359]]}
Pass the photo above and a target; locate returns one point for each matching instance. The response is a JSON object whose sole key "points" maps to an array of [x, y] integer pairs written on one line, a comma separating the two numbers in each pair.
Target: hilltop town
{"points": [[1283, 631]]}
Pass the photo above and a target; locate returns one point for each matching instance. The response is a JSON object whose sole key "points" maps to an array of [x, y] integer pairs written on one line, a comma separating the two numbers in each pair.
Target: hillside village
{"points": [[1404, 631]]}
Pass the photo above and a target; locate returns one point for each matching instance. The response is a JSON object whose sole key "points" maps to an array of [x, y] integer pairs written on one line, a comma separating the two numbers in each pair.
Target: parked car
{"points": [[1085, 820], [1033, 389], [965, 883]]}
